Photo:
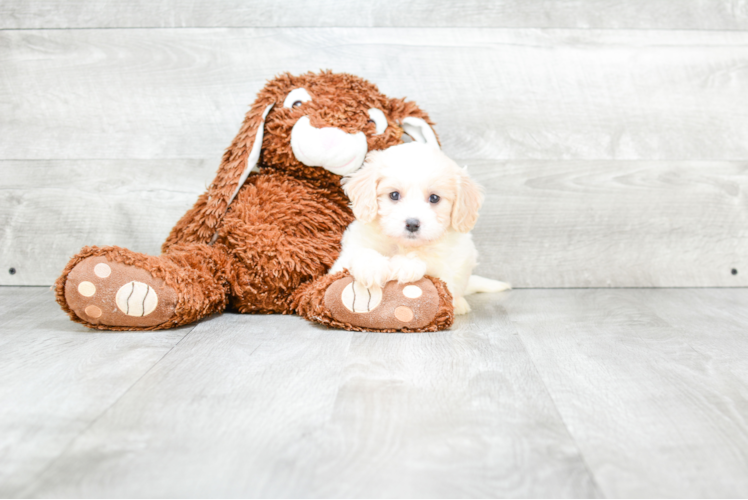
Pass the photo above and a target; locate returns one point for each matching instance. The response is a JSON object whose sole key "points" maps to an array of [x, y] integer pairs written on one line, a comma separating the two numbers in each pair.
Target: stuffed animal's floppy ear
{"points": [[414, 121], [254, 154], [247, 159], [467, 202], [199, 224], [361, 189], [420, 131]]}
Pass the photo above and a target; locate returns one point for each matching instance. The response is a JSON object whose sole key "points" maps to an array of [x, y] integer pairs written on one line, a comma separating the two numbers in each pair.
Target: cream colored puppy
{"points": [[414, 209]]}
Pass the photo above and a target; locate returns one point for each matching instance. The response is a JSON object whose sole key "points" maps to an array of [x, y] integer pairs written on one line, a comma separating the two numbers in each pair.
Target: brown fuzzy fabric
{"points": [[278, 243], [309, 302], [283, 229], [338, 100]]}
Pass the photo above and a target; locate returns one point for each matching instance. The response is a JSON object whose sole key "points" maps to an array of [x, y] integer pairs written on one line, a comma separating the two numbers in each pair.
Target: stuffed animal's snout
{"points": [[330, 148]]}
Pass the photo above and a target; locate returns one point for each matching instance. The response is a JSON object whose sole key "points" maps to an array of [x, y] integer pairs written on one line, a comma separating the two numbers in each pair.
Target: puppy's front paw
{"points": [[461, 305], [406, 269], [370, 269]]}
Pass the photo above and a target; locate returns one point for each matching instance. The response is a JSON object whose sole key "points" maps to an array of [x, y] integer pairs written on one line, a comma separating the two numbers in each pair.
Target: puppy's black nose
{"points": [[412, 225]]}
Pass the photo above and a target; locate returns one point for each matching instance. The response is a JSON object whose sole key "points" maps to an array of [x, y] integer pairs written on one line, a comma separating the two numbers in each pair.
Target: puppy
{"points": [[414, 209]]}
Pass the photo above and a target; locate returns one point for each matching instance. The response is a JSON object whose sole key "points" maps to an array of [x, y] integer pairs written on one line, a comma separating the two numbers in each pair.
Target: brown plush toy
{"points": [[264, 234]]}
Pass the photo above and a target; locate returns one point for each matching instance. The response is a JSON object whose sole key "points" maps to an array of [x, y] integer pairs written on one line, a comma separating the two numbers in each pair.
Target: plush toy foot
{"points": [[104, 292], [338, 301]]}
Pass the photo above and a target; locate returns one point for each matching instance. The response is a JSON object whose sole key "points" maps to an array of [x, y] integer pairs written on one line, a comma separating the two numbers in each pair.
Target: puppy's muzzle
{"points": [[412, 225]]}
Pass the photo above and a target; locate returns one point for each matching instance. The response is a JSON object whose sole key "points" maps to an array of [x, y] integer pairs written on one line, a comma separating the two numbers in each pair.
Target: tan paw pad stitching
{"points": [[136, 299], [359, 299]]}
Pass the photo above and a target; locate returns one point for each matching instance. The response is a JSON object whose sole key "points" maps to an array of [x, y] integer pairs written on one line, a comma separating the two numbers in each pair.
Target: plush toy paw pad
{"points": [[136, 299], [394, 307], [109, 293], [102, 270], [93, 312], [87, 289], [404, 314], [359, 299]]}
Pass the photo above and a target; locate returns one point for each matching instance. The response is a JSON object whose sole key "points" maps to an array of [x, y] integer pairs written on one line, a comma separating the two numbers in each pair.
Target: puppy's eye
{"points": [[297, 104], [394, 196], [434, 198]]}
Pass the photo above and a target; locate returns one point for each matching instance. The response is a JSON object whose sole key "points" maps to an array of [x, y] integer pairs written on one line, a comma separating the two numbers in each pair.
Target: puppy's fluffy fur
{"points": [[414, 209]]}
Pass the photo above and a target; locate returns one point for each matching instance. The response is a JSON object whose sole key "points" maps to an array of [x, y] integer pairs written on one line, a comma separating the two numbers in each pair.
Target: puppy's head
{"points": [[415, 192]]}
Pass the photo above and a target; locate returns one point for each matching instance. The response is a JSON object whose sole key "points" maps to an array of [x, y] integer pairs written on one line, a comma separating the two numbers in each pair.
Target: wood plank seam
{"points": [[594, 14], [573, 438]]}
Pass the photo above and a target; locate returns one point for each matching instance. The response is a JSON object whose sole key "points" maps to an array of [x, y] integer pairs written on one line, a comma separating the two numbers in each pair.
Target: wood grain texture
{"points": [[544, 224], [494, 93], [661, 14], [649, 382], [57, 377], [272, 406], [50, 209], [613, 224], [12, 297]]}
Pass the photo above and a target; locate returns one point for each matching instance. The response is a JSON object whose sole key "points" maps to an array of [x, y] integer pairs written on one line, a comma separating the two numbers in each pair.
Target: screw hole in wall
{"points": [[12, 270], [734, 272]]}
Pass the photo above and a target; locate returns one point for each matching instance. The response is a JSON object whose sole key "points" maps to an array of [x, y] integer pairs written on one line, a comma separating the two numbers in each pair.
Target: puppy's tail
{"points": [[477, 284]]}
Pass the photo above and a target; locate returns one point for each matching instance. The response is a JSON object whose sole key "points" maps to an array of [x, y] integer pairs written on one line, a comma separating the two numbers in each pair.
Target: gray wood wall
{"points": [[612, 136]]}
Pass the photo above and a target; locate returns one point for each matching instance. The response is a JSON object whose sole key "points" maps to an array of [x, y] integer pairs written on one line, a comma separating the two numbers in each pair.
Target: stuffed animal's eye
{"points": [[434, 198], [377, 116], [394, 196], [296, 98]]}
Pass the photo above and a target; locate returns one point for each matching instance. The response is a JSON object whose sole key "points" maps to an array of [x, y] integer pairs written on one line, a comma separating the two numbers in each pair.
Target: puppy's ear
{"points": [[467, 202], [361, 188]]}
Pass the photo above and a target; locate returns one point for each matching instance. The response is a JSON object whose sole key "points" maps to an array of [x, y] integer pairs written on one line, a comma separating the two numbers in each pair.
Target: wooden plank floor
{"points": [[569, 393]]}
